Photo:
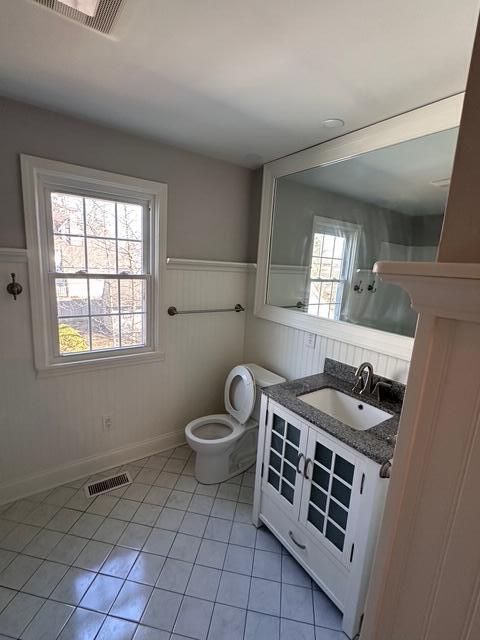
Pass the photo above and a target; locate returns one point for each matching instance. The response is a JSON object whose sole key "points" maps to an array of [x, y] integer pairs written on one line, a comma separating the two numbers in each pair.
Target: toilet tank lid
{"points": [[263, 377]]}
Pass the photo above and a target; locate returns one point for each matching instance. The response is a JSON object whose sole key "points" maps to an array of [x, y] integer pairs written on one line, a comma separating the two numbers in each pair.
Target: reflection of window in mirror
{"points": [[332, 259]]}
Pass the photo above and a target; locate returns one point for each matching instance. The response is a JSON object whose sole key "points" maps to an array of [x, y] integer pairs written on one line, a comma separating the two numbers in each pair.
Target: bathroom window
{"points": [[333, 253], [96, 244]]}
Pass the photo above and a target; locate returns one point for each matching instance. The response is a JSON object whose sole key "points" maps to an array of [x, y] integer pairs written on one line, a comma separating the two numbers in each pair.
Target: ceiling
{"points": [[242, 80], [398, 177]]}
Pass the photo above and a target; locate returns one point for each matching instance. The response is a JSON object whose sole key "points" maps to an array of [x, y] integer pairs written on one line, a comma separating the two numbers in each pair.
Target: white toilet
{"points": [[226, 443]]}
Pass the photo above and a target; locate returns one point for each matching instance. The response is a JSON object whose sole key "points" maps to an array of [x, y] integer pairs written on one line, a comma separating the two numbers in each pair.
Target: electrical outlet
{"points": [[310, 340], [107, 423]]}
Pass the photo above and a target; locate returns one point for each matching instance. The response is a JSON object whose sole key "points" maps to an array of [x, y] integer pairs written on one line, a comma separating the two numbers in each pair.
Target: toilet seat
{"points": [[198, 430], [240, 393]]}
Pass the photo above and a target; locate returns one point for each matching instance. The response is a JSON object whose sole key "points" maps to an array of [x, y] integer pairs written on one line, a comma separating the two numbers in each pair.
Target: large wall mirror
{"points": [[329, 213]]}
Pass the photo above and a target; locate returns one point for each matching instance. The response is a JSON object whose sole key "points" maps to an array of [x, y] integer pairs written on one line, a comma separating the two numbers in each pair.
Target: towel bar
{"points": [[172, 311]]}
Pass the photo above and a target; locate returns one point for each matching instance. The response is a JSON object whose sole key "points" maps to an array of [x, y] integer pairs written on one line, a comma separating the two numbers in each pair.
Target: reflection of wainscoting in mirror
{"points": [[332, 223]]}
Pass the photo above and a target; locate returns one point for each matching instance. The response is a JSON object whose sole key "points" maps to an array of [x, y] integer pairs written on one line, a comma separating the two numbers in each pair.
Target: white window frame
{"points": [[39, 177], [351, 232]]}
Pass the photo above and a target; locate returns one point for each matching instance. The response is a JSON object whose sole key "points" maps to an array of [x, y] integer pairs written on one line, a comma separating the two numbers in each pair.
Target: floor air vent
{"points": [[95, 14], [107, 484]]}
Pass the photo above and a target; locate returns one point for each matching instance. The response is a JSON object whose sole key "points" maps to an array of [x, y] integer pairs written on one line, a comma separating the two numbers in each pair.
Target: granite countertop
{"points": [[377, 443]]}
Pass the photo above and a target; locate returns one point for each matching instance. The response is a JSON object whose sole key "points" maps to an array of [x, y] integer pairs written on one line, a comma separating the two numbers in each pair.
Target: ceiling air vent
{"points": [[95, 14]]}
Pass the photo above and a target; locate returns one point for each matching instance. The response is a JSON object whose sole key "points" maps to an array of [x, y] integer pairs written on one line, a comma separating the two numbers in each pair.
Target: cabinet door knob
{"points": [[299, 459], [292, 538], [305, 468]]}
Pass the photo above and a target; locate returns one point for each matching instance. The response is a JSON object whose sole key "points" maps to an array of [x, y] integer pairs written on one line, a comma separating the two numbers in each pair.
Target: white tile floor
{"points": [[164, 559]]}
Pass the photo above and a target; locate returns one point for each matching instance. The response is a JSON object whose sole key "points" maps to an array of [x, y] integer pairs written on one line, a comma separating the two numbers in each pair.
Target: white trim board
{"points": [[77, 469], [8, 254], [187, 264]]}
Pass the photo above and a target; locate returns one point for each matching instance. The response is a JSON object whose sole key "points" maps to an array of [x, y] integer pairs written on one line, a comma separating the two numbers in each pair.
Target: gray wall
{"points": [[209, 201]]}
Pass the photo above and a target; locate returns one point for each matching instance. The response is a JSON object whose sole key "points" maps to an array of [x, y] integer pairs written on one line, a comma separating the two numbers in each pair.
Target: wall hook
{"points": [[358, 287], [14, 288]]}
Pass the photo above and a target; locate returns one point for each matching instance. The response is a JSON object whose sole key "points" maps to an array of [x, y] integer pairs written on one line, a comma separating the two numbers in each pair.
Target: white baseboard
{"points": [[29, 485]]}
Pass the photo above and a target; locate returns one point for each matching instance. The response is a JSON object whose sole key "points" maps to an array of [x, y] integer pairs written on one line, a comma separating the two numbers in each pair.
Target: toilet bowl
{"points": [[226, 443]]}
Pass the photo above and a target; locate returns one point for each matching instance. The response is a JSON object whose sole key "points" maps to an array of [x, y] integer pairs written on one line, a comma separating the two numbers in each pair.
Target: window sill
{"points": [[98, 364]]}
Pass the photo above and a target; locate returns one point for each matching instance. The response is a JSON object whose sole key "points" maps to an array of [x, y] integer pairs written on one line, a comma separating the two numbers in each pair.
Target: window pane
{"points": [[317, 244], [129, 221], [336, 269], [315, 271], [132, 295], [101, 255], [67, 213], [326, 269], [339, 249], [73, 335], [100, 217], [130, 257], [105, 332], [323, 311], [72, 296], [328, 246], [98, 235], [69, 253], [334, 311], [103, 296], [132, 328], [326, 294], [314, 292]]}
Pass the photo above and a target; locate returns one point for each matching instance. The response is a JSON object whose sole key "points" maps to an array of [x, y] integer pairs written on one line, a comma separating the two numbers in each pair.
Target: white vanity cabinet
{"points": [[323, 501]]}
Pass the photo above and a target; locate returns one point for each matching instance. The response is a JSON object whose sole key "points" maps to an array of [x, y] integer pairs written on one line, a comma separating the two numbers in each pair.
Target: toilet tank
{"points": [[263, 378]]}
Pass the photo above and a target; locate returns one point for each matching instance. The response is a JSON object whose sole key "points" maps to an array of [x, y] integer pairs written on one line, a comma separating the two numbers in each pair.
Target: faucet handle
{"points": [[380, 388]]}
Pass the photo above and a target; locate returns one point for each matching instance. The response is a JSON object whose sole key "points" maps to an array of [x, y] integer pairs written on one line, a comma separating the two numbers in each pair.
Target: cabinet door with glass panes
{"points": [[285, 445], [331, 493]]}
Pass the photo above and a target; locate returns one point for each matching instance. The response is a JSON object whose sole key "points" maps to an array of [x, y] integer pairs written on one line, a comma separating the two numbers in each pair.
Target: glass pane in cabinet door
{"points": [[283, 457], [330, 494]]}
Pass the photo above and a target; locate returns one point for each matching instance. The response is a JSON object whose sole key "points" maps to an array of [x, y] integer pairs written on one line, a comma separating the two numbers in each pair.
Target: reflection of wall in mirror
{"points": [[297, 204]]}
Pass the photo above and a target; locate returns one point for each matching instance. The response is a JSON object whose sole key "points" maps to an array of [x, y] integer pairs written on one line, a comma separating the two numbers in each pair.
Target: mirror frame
{"points": [[433, 118]]}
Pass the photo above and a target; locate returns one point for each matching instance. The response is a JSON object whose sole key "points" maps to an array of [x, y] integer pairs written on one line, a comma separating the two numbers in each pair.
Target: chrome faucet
{"points": [[364, 385]]}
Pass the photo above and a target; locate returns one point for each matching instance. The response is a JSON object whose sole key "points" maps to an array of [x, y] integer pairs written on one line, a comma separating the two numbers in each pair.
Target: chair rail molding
{"points": [[426, 576], [8, 254]]}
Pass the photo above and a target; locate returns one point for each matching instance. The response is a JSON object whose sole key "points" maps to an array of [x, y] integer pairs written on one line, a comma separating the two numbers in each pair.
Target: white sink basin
{"points": [[355, 413]]}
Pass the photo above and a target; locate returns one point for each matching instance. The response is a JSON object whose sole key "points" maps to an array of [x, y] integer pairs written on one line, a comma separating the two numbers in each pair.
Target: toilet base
{"points": [[219, 466], [213, 470]]}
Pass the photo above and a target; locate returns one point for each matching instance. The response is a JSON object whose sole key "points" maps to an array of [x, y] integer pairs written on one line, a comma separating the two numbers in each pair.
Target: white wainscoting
{"points": [[283, 349], [51, 428]]}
